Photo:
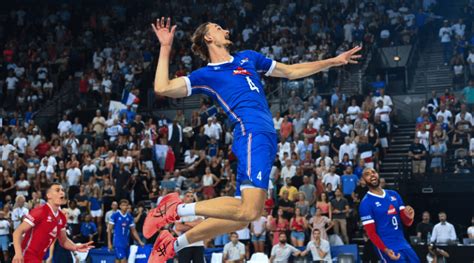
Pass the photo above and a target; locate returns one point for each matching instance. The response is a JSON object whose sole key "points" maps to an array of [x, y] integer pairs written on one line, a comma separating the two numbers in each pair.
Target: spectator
{"points": [[332, 178], [298, 226], [234, 251], [88, 229], [309, 190], [282, 251], [19, 211], [96, 208], [258, 232], [424, 227], [417, 153], [443, 232], [470, 230], [445, 34], [278, 225], [348, 182], [324, 205], [4, 236], [340, 211], [437, 153], [319, 247], [64, 126], [288, 171]]}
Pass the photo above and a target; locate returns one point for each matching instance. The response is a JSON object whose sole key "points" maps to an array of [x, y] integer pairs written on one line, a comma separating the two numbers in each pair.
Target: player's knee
{"points": [[249, 214]]}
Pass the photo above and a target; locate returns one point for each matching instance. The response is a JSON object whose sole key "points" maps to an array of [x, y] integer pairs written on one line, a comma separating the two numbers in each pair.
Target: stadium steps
{"points": [[430, 73], [392, 164]]}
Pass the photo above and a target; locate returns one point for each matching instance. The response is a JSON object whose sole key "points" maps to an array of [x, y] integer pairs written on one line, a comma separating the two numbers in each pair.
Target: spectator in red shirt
{"points": [[310, 132], [286, 128]]}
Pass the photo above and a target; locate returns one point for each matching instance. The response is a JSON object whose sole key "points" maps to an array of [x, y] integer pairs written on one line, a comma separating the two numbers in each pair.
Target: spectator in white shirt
{"points": [[211, 130], [73, 175], [19, 211], [20, 143], [327, 160], [234, 251], [443, 232], [6, 148], [282, 251], [384, 112], [447, 115], [316, 120], [470, 230], [47, 168], [277, 120], [445, 34], [320, 249], [353, 110], [289, 170], [459, 28], [64, 126], [464, 113], [332, 178], [349, 148], [4, 236], [387, 100], [114, 130], [323, 141]]}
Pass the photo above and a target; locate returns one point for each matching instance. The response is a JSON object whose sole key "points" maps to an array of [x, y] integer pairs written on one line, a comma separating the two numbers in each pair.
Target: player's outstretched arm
{"points": [[175, 88], [17, 238], [67, 243], [302, 70]]}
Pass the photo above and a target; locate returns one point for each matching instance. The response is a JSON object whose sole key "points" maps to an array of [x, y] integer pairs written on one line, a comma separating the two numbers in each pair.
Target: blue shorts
{"points": [[406, 255], [121, 252], [4, 240], [261, 238], [255, 153], [297, 235]]}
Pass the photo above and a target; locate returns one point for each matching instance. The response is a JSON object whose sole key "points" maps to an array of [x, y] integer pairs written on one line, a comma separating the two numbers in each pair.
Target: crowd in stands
{"points": [[457, 38]]}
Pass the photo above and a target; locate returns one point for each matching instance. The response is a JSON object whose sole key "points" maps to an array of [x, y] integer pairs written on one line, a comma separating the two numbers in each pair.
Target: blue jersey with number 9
{"points": [[384, 211]]}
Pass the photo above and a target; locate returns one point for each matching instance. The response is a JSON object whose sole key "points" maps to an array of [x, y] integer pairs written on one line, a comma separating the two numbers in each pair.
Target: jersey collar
{"points": [[221, 63], [54, 213], [376, 195]]}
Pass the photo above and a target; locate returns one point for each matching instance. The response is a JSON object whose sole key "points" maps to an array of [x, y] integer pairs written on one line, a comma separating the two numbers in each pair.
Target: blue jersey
{"points": [[122, 225], [384, 211], [237, 87]]}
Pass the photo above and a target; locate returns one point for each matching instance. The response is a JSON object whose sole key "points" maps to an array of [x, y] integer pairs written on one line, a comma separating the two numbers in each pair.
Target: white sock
{"points": [[180, 243], [187, 209]]}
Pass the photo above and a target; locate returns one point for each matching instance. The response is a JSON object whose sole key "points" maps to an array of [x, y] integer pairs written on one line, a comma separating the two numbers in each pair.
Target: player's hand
{"points": [[409, 212], [163, 32], [111, 248], [348, 57], [18, 258], [392, 254], [84, 247]]}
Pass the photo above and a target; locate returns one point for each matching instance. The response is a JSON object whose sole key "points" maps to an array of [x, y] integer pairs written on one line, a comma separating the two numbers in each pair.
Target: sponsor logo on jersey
{"points": [[393, 198], [391, 210], [378, 204], [140, 256], [241, 71], [245, 60], [60, 221], [365, 218], [216, 68], [49, 219]]}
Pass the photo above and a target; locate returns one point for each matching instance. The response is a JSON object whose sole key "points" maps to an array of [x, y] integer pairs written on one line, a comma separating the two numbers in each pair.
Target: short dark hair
{"points": [[234, 233], [51, 185], [124, 201], [316, 230]]}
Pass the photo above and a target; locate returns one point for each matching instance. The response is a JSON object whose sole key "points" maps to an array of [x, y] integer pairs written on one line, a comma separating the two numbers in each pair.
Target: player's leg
{"points": [[241, 213], [410, 255]]}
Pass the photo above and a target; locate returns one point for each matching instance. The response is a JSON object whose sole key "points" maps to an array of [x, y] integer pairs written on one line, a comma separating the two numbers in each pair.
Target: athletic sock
{"points": [[187, 209], [180, 243]]}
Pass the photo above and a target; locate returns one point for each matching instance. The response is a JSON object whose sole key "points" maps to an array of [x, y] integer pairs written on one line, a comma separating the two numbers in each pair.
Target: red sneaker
{"points": [[163, 249], [165, 213]]}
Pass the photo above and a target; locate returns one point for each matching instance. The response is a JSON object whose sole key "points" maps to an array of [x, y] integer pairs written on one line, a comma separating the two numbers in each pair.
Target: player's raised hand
{"points": [[392, 254], [84, 247], [164, 31], [348, 57], [409, 212]]}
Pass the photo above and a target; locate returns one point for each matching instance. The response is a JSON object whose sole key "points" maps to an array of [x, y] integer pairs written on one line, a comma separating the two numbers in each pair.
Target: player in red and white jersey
{"points": [[41, 227]]}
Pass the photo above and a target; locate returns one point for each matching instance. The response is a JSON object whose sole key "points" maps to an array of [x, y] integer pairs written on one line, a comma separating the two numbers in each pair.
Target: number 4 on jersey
{"points": [[252, 85]]}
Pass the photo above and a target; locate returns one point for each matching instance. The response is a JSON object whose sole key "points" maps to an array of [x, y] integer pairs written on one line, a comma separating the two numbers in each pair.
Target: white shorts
{"points": [[96, 213], [384, 142]]}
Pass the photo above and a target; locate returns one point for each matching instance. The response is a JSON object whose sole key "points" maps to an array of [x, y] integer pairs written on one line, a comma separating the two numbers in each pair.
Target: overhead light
{"points": [[396, 58]]}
